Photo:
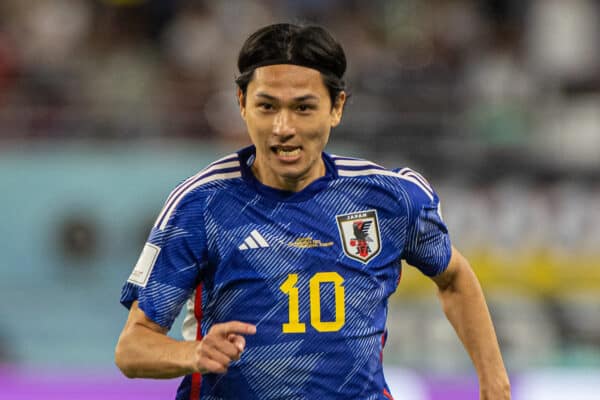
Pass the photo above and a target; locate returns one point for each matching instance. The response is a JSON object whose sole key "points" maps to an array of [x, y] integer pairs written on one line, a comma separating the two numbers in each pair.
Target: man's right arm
{"points": [[145, 351]]}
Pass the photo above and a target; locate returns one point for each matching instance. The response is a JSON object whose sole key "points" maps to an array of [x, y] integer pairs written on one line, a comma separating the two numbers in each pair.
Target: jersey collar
{"points": [[247, 156]]}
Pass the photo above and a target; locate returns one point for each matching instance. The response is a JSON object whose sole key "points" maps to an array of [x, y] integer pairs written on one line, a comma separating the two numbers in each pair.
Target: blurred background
{"points": [[106, 105]]}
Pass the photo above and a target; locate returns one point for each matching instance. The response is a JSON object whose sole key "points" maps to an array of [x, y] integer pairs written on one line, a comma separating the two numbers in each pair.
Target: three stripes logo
{"points": [[254, 241]]}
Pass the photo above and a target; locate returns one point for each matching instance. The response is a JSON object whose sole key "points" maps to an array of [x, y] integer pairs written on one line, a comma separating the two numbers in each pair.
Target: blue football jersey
{"points": [[313, 270]]}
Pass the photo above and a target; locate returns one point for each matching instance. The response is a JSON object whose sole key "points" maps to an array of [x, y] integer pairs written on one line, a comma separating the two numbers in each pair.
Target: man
{"points": [[286, 255]]}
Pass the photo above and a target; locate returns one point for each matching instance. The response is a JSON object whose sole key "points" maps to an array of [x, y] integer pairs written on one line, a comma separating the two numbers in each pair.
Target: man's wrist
{"points": [[495, 389], [189, 357]]}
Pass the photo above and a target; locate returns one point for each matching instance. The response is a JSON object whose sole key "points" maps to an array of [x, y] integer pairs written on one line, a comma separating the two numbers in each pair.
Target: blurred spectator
{"points": [[562, 49], [193, 43], [562, 38], [498, 85]]}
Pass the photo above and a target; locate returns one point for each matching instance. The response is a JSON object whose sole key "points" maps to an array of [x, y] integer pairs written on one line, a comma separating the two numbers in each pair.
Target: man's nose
{"points": [[283, 124]]}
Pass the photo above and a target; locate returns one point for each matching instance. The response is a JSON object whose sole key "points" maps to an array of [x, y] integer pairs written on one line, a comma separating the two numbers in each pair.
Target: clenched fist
{"points": [[223, 344]]}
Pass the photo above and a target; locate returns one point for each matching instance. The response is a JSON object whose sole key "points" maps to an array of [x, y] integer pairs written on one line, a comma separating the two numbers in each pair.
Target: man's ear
{"points": [[338, 109], [241, 102]]}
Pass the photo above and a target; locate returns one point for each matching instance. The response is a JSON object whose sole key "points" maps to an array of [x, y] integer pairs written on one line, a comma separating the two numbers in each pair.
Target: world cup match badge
{"points": [[359, 233]]}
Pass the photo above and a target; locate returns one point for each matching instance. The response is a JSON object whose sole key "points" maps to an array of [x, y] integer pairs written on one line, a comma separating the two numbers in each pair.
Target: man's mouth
{"points": [[286, 151]]}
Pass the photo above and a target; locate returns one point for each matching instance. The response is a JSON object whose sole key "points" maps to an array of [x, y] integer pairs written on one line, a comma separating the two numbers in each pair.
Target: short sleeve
{"points": [[427, 244], [170, 264]]}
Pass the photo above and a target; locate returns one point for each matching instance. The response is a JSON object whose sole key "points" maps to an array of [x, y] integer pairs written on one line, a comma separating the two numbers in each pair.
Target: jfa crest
{"points": [[359, 233]]}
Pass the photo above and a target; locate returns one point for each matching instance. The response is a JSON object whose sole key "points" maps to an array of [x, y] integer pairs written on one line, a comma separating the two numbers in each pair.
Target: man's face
{"points": [[288, 115]]}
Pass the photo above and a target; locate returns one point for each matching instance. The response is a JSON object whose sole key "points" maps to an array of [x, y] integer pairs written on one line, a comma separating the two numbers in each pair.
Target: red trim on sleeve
{"points": [[382, 346], [387, 394], [197, 377]]}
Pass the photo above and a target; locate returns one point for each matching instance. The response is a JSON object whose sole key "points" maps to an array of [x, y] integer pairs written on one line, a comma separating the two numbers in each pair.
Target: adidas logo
{"points": [[254, 241]]}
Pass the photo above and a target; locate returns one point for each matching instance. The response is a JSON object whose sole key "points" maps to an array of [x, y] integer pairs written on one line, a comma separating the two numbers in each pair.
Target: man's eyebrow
{"points": [[295, 99], [306, 97], [266, 96]]}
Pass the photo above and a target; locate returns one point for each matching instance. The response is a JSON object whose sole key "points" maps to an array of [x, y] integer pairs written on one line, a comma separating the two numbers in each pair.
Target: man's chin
{"points": [[289, 175], [292, 174]]}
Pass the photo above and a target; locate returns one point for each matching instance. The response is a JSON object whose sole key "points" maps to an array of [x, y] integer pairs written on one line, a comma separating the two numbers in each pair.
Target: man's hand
{"points": [[145, 351], [223, 345]]}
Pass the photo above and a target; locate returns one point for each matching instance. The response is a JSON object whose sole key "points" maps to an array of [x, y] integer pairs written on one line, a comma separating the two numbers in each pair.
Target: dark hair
{"points": [[309, 46]]}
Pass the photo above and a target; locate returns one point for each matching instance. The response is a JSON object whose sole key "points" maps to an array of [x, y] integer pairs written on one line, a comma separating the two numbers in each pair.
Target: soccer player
{"points": [[285, 256]]}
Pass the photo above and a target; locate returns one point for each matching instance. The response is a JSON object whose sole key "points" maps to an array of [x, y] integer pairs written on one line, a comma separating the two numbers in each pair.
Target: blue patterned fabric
{"points": [[343, 237]]}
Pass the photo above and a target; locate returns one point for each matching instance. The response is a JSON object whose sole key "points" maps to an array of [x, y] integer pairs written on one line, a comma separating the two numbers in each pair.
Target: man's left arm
{"points": [[465, 307]]}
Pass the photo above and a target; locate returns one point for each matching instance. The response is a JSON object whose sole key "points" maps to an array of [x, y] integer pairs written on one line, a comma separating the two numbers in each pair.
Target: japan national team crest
{"points": [[359, 233]]}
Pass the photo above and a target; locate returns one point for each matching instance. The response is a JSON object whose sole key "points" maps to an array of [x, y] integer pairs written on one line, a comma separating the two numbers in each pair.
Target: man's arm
{"points": [[465, 307], [145, 351]]}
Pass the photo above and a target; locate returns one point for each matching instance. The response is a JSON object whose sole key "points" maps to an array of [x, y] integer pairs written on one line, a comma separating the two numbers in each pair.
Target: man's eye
{"points": [[265, 106], [304, 107]]}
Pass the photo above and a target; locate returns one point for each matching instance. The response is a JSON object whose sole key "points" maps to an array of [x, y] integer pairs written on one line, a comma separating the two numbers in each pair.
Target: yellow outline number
{"points": [[289, 287]]}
